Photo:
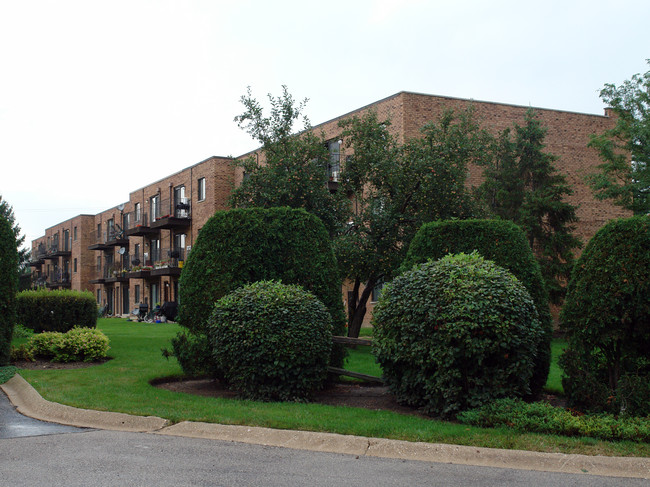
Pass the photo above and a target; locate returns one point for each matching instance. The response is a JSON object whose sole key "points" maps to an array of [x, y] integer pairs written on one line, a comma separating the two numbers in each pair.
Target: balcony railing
{"points": [[58, 278], [173, 213], [138, 225]]}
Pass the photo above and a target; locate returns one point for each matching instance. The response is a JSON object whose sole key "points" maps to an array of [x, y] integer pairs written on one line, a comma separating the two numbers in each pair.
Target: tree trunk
{"points": [[357, 306]]}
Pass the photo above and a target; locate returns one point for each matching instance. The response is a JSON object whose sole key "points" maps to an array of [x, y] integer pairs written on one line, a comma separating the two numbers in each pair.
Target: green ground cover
{"points": [[123, 385]]}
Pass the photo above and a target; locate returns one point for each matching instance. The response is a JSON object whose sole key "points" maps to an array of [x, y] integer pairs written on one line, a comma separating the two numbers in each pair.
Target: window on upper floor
{"points": [[74, 265], [75, 233], [137, 211], [154, 207], [334, 162], [201, 189]]}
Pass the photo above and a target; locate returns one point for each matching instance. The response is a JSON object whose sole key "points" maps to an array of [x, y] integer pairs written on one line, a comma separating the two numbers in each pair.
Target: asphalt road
{"points": [[109, 458], [35, 453]]}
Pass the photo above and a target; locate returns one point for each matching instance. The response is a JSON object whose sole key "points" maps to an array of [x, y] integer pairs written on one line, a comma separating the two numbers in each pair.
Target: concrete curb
{"points": [[426, 452], [29, 402]]}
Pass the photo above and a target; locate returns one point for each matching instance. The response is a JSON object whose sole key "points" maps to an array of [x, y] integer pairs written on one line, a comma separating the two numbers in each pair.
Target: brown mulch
{"points": [[38, 364], [359, 395]]}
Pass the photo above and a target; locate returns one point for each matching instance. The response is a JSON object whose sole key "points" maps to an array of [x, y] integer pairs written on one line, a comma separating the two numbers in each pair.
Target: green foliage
{"points": [[523, 185], [624, 175], [7, 372], [290, 168], [7, 212], [8, 287], [456, 333], [194, 354], [21, 331], [393, 184], [541, 417], [607, 320], [271, 341], [241, 246], [505, 244], [77, 345], [44, 310]]}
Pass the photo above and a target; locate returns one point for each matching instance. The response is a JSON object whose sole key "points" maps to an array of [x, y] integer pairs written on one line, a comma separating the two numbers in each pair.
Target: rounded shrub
{"points": [[454, 334], [241, 246], [271, 341], [606, 316], [8, 288], [76, 345], [56, 310], [505, 244]]}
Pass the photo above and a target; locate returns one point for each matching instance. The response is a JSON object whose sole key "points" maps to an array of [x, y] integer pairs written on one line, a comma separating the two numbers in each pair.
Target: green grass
{"points": [[122, 385]]}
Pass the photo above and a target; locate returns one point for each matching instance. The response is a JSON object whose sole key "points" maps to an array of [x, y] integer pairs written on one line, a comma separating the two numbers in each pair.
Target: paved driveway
{"points": [[15, 425]]}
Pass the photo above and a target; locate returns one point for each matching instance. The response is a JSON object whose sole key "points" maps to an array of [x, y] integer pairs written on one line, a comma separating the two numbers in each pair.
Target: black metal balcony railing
{"points": [[171, 213]]}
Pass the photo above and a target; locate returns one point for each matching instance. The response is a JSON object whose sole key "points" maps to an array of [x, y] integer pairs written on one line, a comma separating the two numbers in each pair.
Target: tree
{"points": [[8, 212], [396, 189], [523, 185], [290, 168], [624, 175]]}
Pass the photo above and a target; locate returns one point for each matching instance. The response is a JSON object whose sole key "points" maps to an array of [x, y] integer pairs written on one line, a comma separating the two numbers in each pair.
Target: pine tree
{"points": [[523, 185]]}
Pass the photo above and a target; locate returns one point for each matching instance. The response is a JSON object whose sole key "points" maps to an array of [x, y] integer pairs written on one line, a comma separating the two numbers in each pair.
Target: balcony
{"points": [[173, 214], [61, 249], [138, 225], [116, 237], [38, 256], [58, 279], [167, 262]]}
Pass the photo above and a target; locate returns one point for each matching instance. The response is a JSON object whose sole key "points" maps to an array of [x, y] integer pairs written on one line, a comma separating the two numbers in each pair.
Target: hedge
{"points": [[505, 244], [607, 319], [43, 310], [8, 287]]}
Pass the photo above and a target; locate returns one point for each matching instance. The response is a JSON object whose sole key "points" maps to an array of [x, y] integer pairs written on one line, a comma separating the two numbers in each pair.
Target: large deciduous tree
{"points": [[523, 185], [624, 175], [290, 168], [397, 188], [8, 212]]}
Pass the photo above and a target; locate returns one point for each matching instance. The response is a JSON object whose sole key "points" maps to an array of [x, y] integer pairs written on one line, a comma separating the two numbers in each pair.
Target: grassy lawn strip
{"points": [[122, 385]]}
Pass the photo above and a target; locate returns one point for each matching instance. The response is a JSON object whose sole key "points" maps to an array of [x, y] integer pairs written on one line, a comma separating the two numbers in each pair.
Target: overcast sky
{"points": [[100, 98]]}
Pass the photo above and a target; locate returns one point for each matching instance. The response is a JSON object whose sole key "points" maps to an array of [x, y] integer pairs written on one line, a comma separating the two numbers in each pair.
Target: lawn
{"points": [[122, 384]]}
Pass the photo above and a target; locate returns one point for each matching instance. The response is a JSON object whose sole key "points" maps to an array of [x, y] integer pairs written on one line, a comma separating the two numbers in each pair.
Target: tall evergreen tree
{"points": [[7, 211], [523, 185]]}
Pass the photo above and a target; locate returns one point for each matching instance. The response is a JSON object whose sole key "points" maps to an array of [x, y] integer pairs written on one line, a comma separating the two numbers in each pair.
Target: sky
{"points": [[98, 99]]}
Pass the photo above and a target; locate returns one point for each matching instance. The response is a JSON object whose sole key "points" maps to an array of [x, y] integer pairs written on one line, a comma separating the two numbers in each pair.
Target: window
{"points": [[99, 263], [376, 291], [75, 233], [334, 163], [99, 231], [201, 189], [154, 203], [74, 265], [137, 293], [137, 212], [136, 255], [99, 296]]}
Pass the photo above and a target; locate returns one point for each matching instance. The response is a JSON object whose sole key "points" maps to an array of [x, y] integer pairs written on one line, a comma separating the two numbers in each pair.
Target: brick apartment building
{"points": [[134, 252]]}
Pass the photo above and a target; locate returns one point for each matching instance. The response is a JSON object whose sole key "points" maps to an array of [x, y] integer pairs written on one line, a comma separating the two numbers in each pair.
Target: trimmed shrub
{"points": [[606, 316], [454, 334], [8, 287], [242, 246], [505, 244], [77, 345], [43, 310], [271, 341]]}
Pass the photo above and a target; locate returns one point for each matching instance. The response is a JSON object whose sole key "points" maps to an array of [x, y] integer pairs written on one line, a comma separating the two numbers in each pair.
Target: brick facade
{"points": [[134, 251]]}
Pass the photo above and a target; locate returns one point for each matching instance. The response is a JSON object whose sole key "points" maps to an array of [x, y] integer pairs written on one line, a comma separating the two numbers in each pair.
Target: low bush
{"points": [[505, 244], [77, 345], [44, 310], [541, 417], [271, 341], [606, 317], [194, 354], [454, 334]]}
